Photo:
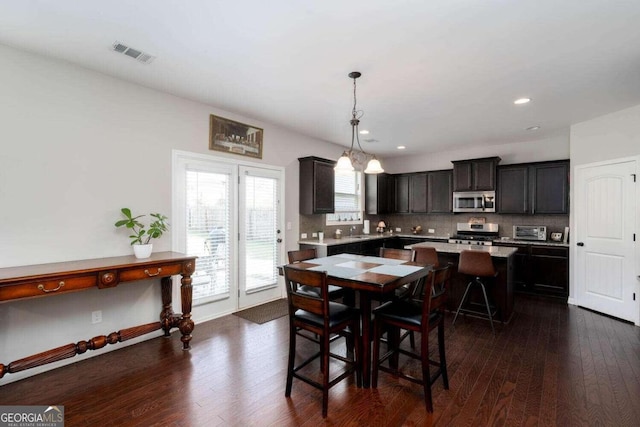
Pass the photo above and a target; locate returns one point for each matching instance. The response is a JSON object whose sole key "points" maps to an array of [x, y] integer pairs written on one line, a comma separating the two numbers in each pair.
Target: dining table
{"points": [[368, 276]]}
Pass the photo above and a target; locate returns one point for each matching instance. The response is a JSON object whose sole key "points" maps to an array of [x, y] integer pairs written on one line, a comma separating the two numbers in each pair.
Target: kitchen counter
{"points": [[327, 241], [452, 248], [531, 242]]}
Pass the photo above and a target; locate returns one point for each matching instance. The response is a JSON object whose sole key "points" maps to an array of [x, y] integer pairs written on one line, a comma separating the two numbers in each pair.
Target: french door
{"points": [[229, 215]]}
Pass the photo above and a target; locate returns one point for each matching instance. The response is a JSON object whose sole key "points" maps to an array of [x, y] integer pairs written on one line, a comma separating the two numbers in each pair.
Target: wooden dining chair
{"points": [[300, 255], [313, 312], [419, 315], [399, 254]]}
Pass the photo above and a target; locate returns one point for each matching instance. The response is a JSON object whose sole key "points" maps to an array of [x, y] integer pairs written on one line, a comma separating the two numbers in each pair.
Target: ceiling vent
{"points": [[141, 56]]}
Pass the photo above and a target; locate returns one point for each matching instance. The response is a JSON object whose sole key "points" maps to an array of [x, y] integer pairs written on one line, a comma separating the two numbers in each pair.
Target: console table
{"points": [[46, 280]]}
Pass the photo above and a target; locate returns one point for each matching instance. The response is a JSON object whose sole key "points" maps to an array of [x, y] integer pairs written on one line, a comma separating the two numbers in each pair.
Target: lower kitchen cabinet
{"points": [[540, 270]]}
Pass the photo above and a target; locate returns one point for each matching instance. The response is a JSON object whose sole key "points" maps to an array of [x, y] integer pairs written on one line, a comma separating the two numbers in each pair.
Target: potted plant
{"points": [[141, 237]]}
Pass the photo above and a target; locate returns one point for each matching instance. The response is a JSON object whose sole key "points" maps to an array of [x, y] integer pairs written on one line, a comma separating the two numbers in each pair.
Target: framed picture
{"points": [[234, 137]]}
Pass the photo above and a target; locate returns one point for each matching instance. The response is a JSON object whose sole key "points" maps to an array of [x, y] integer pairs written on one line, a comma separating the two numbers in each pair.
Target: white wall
{"points": [[76, 147], [612, 136], [555, 148]]}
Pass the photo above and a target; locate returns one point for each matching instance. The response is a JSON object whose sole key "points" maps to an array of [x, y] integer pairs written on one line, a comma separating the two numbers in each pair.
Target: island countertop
{"points": [[452, 248], [330, 241]]}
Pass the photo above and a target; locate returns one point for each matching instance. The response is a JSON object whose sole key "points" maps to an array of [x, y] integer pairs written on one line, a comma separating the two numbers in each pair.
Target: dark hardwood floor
{"points": [[553, 365]]}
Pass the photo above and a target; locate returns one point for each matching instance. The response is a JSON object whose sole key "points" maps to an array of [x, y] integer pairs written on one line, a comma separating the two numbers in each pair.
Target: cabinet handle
{"points": [[152, 274], [42, 288], [580, 244]]}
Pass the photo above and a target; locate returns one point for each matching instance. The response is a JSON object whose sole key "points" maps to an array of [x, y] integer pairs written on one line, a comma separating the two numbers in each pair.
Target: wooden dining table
{"points": [[368, 276]]}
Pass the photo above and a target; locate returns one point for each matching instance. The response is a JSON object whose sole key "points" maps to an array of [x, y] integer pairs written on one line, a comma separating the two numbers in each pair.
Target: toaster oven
{"points": [[530, 232]]}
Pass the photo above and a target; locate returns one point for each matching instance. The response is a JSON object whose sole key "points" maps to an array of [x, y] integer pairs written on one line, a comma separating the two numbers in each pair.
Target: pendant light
{"points": [[348, 158]]}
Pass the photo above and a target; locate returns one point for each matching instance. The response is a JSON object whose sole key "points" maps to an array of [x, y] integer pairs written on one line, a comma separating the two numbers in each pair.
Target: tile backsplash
{"points": [[443, 225]]}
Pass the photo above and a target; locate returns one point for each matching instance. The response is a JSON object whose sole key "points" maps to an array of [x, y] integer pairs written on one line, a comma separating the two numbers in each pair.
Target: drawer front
{"points": [[46, 287], [550, 251], [142, 273]]}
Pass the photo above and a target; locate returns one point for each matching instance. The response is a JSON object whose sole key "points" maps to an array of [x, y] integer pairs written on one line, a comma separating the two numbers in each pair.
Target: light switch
{"points": [[303, 236]]}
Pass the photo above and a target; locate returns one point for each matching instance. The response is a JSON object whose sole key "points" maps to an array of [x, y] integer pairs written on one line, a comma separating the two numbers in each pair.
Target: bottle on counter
{"points": [[338, 234]]}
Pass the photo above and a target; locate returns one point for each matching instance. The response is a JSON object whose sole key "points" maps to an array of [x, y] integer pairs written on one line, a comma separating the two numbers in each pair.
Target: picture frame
{"points": [[234, 137]]}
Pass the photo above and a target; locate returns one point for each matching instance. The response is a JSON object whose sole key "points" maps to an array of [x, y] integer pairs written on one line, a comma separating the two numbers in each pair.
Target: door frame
{"points": [[575, 215], [178, 242]]}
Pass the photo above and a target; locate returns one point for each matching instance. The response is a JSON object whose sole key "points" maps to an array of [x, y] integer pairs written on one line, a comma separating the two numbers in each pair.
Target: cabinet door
{"points": [[317, 184], [550, 191], [462, 176], [550, 271], [402, 194], [418, 193], [439, 189], [484, 174], [513, 189], [376, 193], [324, 188]]}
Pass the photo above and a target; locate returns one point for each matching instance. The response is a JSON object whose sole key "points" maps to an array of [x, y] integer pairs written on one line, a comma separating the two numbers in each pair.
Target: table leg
{"points": [[186, 324], [365, 309], [166, 315]]}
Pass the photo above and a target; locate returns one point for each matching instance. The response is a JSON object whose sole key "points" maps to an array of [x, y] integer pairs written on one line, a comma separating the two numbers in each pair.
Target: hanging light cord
{"points": [[355, 121]]}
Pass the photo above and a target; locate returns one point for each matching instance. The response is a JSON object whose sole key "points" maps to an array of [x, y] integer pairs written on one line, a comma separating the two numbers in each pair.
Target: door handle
{"points": [[580, 244]]}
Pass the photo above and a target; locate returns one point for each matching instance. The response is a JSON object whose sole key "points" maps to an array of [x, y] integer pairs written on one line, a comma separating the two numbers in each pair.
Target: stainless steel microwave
{"points": [[474, 201], [530, 232]]}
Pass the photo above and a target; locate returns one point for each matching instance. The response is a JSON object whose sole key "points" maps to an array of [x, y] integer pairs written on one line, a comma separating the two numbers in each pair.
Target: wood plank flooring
{"points": [[553, 365]]}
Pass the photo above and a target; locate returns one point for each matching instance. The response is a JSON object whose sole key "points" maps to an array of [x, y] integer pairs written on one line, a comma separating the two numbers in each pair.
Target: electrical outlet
{"points": [[398, 229], [431, 230], [303, 236], [96, 316], [314, 234], [288, 225]]}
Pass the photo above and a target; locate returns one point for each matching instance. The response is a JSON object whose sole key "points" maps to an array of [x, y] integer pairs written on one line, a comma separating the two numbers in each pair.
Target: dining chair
{"points": [[399, 254], [421, 314], [300, 255], [478, 265], [316, 314]]}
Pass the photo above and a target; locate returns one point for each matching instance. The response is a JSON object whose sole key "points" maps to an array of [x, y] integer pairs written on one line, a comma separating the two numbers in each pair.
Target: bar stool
{"points": [[477, 264]]}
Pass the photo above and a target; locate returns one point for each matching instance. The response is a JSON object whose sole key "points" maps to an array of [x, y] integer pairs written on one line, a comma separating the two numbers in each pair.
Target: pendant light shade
{"points": [[344, 164], [374, 166]]}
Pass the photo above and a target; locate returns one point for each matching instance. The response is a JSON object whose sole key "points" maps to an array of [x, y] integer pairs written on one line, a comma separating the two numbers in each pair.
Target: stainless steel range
{"points": [[475, 234]]}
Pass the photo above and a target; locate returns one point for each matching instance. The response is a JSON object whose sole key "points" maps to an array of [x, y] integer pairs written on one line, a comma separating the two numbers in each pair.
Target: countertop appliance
{"points": [[474, 201], [475, 234], [530, 232]]}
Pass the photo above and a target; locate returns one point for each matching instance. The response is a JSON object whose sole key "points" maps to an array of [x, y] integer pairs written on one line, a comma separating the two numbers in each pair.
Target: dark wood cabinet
{"points": [[475, 174], [550, 270], [540, 270], [439, 189], [513, 189], [402, 189], [367, 247], [410, 193], [550, 188], [379, 194], [534, 188], [317, 186], [418, 192]]}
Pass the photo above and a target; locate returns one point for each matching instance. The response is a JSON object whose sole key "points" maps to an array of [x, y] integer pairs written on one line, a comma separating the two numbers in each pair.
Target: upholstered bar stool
{"points": [[478, 265]]}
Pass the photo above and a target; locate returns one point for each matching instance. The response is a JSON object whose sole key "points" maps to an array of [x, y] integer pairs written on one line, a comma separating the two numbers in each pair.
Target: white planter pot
{"points": [[143, 251]]}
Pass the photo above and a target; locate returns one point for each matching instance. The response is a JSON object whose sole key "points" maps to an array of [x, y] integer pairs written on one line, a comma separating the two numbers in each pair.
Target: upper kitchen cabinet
{"points": [[379, 193], [534, 188], [411, 193], [475, 174], [439, 188], [317, 186]]}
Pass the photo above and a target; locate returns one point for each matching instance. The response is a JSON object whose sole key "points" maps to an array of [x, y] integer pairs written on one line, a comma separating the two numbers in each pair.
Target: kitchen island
{"points": [[500, 289]]}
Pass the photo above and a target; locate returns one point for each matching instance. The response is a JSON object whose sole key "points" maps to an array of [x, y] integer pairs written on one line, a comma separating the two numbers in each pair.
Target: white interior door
{"points": [[260, 238], [605, 216]]}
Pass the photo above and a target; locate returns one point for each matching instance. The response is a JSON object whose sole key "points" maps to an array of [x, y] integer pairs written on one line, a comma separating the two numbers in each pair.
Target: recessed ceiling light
{"points": [[522, 101], [364, 132], [533, 128], [401, 147]]}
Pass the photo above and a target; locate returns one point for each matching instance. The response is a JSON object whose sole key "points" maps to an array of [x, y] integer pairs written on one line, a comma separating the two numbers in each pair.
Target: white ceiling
{"points": [[437, 74]]}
